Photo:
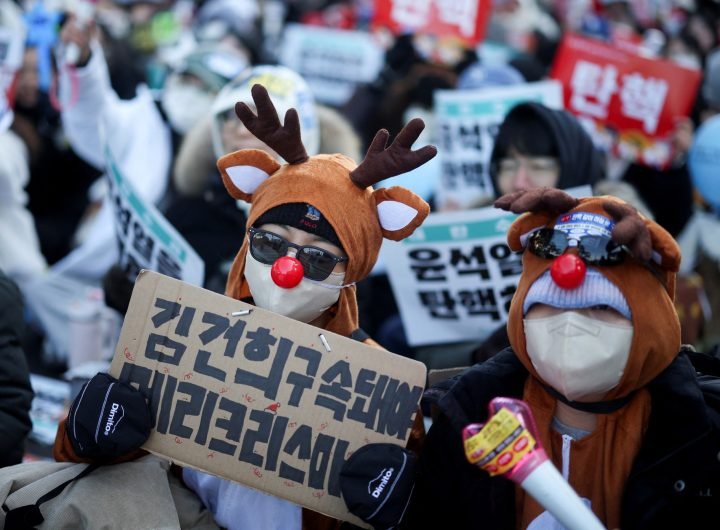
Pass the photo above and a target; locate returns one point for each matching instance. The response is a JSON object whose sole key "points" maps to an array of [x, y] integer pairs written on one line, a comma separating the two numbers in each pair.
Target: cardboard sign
{"points": [[455, 276], [333, 62], [628, 102], [465, 20], [146, 239], [467, 123], [258, 398]]}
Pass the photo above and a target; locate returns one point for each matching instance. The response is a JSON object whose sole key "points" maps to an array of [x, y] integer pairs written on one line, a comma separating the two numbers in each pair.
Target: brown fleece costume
{"points": [[342, 191], [600, 463], [335, 185]]}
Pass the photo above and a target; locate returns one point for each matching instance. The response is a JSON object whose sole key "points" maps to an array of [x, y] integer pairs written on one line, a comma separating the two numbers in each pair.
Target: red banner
{"points": [[463, 19], [633, 101]]}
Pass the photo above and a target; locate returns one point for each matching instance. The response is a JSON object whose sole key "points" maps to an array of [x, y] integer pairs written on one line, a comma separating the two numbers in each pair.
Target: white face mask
{"points": [[304, 302], [576, 355], [185, 104]]}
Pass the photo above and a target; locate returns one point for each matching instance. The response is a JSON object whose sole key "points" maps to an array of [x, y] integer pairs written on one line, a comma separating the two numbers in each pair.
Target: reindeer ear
{"points": [[243, 171], [400, 211], [665, 250]]}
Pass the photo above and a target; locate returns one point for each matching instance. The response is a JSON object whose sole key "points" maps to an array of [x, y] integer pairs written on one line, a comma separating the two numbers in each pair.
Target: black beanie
{"points": [[302, 216]]}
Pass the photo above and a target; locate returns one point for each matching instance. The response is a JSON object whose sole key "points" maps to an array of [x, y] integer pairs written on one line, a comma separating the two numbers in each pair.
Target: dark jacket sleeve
{"points": [[452, 493], [15, 391], [449, 491]]}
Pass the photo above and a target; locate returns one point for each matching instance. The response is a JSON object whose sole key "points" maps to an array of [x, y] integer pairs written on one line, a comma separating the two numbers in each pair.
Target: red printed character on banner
{"points": [[642, 98], [592, 88]]}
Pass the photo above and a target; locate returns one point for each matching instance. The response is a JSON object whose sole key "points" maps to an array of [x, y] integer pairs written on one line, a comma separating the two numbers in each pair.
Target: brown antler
{"points": [[383, 162], [284, 140], [630, 230], [536, 200]]}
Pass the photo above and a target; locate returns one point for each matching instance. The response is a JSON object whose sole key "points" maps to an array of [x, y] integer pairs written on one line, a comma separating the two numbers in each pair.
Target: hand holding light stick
{"points": [[508, 444]]}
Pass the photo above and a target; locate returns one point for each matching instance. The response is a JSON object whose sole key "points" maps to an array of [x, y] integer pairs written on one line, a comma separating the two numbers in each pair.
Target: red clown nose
{"points": [[287, 272], [568, 271]]}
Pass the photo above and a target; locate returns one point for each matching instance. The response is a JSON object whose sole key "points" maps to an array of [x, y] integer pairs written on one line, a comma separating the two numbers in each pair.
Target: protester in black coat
{"points": [[15, 391], [665, 488], [625, 417]]}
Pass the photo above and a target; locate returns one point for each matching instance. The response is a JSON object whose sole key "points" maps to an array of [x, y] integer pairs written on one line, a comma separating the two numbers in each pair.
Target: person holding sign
{"points": [[594, 352], [315, 228]]}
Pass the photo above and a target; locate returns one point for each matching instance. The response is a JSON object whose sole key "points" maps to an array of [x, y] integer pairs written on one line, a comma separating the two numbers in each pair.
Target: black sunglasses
{"points": [[594, 250], [267, 247]]}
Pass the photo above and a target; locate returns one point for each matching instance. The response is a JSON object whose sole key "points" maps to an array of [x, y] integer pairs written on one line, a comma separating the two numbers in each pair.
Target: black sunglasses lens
{"points": [[547, 243], [267, 247], [600, 250], [318, 263]]}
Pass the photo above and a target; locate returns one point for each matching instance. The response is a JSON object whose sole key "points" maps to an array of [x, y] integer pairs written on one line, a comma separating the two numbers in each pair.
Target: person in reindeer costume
{"points": [[595, 352], [315, 228]]}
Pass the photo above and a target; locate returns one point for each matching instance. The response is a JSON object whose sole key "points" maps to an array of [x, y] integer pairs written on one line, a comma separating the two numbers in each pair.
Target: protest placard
{"points": [[454, 278], [258, 398], [465, 20], [332, 61], [629, 103], [467, 123], [146, 239]]}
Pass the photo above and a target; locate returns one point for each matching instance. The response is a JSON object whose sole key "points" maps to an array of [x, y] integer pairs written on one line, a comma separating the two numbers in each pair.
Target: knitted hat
{"points": [[300, 215], [287, 89], [595, 290]]}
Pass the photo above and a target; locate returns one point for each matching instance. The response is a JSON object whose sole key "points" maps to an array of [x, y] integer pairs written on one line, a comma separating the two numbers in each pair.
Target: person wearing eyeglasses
{"points": [[596, 354], [538, 146]]}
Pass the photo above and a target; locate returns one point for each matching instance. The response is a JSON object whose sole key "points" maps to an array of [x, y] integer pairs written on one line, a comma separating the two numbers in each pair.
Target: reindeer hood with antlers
{"points": [[334, 184], [645, 278]]}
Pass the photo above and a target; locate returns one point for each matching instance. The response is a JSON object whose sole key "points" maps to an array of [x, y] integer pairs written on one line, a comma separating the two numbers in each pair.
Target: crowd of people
{"points": [[189, 101]]}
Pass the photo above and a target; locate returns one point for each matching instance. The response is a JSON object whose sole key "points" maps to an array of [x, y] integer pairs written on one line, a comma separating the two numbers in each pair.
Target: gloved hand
{"points": [[377, 482], [108, 419]]}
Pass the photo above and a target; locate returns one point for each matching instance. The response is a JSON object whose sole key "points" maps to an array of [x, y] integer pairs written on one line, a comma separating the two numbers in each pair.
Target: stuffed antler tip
{"points": [[257, 90], [416, 123], [242, 111], [428, 152]]}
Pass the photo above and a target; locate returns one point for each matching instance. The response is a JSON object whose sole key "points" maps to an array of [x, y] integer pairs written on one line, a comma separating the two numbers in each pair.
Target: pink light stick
{"points": [[508, 444]]}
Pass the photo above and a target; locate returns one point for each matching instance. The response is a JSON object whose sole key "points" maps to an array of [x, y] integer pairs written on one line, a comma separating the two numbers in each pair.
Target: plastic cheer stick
{"points": [[508, 444]]}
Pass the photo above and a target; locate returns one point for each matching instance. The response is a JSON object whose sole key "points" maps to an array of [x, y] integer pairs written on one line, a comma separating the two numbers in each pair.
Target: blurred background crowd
{"points": [[146, 89]]}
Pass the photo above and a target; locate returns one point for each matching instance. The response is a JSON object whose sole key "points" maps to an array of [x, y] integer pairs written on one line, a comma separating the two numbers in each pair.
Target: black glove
{"points": [[108, 419], [376, 483]]}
